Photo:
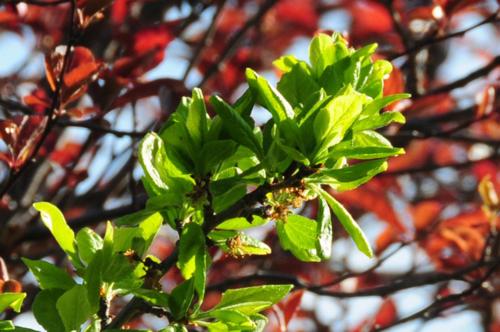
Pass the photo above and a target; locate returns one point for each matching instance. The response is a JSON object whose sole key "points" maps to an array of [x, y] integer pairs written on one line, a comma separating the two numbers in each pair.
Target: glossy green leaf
{"points": [[252, 299], [242, 223], [191, 244], [349, 177], [299, 235], [376, 105], [196, 118], [87, 243], [45, 311], [48, 275], [11, 300], [285, 63], [74, 308], [348, 222], [325, 51], [325, 232], [180, 299], [215, 152], [153, 296], [236, 126], [379, 121], [269, 97], [54, 220], [160, 173], [138, 238], [297, 85]]}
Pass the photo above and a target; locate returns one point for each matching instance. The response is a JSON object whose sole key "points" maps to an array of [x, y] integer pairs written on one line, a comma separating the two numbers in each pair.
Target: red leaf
{"points": [[152, 38], [291, 305], [370, 18], [385, 239], [386, 314], [119, 11], [65, 155], [425, 213]]}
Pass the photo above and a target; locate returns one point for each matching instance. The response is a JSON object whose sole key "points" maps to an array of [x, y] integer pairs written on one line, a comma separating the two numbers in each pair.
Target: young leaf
{"points": [[269, 97], [325, 233], [138, 238], [161, 174], [285, 63], [87, 243], [74, 308], [349, 224], [45, 311], [378, 121], [236, 126], [12, 300], [54, 220], [242, 223], [180, 299], [376, 105], [191, 243], [350, 177], [48, 275], [299, 235], [251, 300], [155, 297], [325, 51], [297, 85], [215, 152], [196, 118]]}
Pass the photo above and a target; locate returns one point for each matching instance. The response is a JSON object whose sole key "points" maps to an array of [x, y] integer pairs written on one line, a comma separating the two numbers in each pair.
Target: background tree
{"points": [[114, 70]]}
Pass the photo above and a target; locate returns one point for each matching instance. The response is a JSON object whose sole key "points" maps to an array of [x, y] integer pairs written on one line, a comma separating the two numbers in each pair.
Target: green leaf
{"points": [[74, 308], [138, 238], [285, 63], [233, 318], [45, 311], [160, 173], [242, 223], [269, 97], [325, 51], [236, 126], [349, 224], [299, 235], [191, 244], [48, 275], [333, 121], [366, 152], [215, 152], [54, 220], [11, 300], [325, 232], [350, 177], [297, 85], [379, 121], [252, 299], [180, 299], [87, 243], [153, 296], [196, 119], [93, 278], [376, 105], [375, 83]]}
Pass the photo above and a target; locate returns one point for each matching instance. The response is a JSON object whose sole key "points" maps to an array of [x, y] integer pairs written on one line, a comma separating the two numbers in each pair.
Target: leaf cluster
{"points": [[211, 178]]}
